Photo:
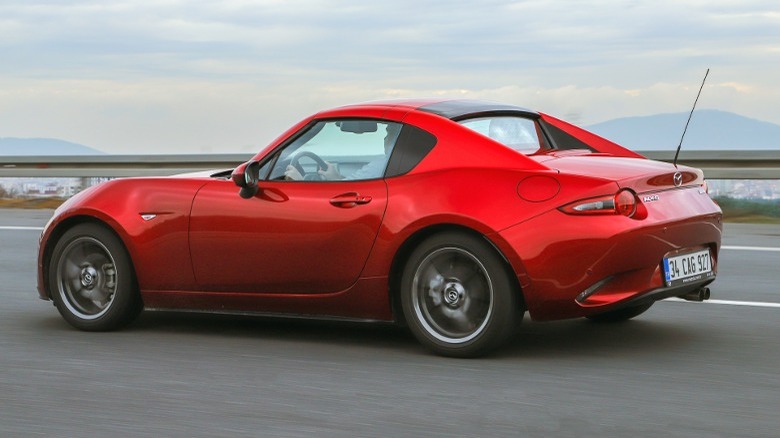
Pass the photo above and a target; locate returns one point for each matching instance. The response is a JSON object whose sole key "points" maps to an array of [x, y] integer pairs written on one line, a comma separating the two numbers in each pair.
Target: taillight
{"points": [[623, 203]]}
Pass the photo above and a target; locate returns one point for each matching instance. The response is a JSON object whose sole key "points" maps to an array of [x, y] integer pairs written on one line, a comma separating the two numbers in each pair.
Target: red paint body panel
{"points": [[366, 300], [290, 250], [459, 147], [159, 248], [287, 239], [593, 248], [598, 143], [484, 200], [640, 175]]}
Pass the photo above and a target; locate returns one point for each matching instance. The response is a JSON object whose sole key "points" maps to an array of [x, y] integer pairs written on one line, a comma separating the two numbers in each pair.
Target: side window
{"points": [[518, 133], [350, 149], [412, 146], [563, 140]]}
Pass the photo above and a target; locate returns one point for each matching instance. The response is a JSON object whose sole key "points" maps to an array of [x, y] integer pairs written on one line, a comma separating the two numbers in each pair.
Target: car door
{"points": [[290, 238], [304, 236]]}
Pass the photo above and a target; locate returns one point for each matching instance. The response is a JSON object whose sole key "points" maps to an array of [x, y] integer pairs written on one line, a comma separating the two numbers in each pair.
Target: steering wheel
{"points": [[295, 162]]}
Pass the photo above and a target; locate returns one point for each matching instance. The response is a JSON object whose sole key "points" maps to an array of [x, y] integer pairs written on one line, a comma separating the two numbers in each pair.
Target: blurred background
{"points": [[145, 77]]}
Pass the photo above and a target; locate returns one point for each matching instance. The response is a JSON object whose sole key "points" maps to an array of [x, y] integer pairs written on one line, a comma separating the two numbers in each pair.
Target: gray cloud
{"points": [[166, 65]]}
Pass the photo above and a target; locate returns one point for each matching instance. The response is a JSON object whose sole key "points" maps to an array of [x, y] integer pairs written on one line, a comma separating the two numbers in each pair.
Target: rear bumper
{"points": [[612, 261], [663, 293]]}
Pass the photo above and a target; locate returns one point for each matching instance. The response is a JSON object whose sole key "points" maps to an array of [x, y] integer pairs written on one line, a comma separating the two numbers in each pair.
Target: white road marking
{"points": [[16, 228], [751, 248], [730, 303]]}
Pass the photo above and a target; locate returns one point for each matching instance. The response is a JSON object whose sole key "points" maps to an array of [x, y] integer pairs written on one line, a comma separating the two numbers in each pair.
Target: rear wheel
{"points": [[458, 297], [91, 279], [622, 314]]}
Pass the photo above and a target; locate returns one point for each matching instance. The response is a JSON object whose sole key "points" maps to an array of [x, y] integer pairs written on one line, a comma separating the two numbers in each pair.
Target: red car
{"points": [[453, 217]]}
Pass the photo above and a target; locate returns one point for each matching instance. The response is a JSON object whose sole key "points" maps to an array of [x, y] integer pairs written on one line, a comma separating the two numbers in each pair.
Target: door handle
{"points": [[349, 200]]}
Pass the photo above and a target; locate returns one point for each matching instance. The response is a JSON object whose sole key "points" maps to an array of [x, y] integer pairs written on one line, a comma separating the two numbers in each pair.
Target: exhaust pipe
{"points": [[697, 295]]}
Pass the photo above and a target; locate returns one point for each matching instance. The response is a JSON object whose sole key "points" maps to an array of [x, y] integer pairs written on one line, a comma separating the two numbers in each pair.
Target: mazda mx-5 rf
{"points": [[452, 217]]}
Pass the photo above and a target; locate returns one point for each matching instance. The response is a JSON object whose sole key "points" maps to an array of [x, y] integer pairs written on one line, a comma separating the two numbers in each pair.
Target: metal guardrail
{"points": [[716, 164], [727, 164], [80, 166]]}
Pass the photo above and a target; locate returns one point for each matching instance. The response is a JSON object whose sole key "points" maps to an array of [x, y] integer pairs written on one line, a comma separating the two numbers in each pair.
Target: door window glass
{"points": [[338, 150]]}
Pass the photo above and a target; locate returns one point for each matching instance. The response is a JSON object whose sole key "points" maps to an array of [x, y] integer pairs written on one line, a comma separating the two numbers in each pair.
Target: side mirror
{"points": [[246, 176]]}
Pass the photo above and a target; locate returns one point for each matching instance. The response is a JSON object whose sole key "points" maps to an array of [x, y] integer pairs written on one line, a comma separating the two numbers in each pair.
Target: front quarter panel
{"points": [[158, 245]]}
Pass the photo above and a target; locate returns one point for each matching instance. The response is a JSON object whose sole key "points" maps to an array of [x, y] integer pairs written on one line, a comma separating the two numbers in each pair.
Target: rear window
{"points": [[517, 133]]}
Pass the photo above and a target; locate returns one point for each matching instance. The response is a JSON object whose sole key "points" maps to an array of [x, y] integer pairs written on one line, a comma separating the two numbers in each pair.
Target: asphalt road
{"points": [[681, 370]]}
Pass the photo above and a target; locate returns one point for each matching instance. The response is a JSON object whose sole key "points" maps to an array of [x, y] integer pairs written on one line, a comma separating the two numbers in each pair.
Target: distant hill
{"points": [[43, 146], [709, 129]]}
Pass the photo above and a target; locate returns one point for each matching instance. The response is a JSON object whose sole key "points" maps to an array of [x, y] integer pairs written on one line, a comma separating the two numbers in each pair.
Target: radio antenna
{"points": [[689, 119]]}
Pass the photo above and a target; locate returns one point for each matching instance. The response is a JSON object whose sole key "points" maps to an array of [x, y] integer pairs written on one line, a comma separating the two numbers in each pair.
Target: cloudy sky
{"points": [[168, 76]]}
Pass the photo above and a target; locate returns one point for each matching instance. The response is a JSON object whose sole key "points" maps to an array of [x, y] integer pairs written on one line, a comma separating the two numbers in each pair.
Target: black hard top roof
{"points": [[464, 109]]}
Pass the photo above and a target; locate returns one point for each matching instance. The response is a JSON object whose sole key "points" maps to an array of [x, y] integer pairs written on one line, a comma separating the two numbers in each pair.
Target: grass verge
{"points": [[51, 203]]}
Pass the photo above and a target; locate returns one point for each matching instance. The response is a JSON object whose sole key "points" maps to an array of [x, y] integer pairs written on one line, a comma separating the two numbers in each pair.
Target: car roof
{"points": [[461, 109], [453, 109]]}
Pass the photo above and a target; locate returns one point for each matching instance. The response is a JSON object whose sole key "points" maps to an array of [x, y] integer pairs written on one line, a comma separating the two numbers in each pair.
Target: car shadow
{"points": [[582, 338], [277, 328], [558, 339]]}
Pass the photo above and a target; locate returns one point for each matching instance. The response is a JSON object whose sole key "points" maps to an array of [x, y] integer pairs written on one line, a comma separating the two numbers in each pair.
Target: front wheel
{"points": [[91, 279], [458, 296]]}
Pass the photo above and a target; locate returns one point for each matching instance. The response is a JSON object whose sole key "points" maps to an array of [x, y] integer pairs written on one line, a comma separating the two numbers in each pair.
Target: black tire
{"points": [[458, 297], [91, 279], [623, 314]]}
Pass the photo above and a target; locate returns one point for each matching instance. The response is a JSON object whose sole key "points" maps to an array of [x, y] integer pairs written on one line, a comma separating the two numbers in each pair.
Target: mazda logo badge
{"points": [[677, 179]]}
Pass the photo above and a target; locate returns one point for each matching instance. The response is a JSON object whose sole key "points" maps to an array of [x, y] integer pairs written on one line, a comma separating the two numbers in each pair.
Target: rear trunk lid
{"points": [[639, 174]]}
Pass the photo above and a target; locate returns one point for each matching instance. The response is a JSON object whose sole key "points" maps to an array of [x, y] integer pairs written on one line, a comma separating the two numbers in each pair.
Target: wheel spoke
{"points": [[72, 270], [442, 266], [100, 300], [432, 281], [435, 297], [74, 285], [464, 271], [477, 289], [432, 276], [80, 254], [462, 321]]}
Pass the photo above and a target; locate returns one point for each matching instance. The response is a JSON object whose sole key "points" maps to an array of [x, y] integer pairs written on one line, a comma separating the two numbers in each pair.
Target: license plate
{"points": [[688, 268]]}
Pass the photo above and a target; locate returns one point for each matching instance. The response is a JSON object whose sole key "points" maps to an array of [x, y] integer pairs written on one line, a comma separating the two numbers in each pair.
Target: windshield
{"points": [[518, 133]]}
